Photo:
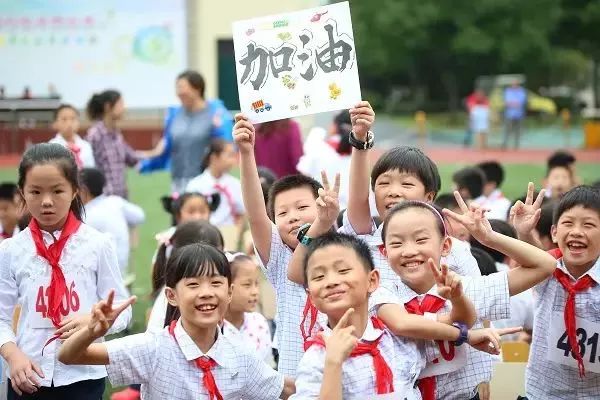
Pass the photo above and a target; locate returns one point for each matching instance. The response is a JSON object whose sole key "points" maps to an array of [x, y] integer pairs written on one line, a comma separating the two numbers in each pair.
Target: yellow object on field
{"points": [[591, 131]]}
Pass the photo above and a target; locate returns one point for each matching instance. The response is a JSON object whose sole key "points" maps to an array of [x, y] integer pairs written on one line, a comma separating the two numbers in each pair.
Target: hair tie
{"points": [[437, 213]]}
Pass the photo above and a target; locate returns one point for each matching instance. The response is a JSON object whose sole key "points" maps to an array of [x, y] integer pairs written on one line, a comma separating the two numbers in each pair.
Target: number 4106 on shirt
{"points": [[70, 305], [588, 337]]}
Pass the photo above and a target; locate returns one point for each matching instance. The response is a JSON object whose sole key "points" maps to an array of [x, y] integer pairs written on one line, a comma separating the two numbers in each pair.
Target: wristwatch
{"points": [[360, 145], [302, 238], [464, 333]]}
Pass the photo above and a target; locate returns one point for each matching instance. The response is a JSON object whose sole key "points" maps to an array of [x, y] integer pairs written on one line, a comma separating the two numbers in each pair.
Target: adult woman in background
{"points": [[278, 146], [188, 131], [111, 153]]}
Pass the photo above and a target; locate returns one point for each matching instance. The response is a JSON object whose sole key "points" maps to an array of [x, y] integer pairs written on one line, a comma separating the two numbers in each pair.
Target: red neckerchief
{"points": [[206, 364], [556, 253], [76, 150], [582, 284], [310, 311], [52, 254], [228, 197], [384, 377], [430, 304]]}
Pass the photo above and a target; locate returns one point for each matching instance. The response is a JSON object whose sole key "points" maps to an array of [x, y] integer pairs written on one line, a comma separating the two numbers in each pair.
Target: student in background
{"points": [[9, 210], [66, 125], [563, 158], [492, 198], [469, 182], [479, 117], [558, 181], [220, 157], [109, 214]]}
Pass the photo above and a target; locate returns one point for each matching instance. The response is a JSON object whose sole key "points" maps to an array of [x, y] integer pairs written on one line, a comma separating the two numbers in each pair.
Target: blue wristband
{"points": [[464, 333]]}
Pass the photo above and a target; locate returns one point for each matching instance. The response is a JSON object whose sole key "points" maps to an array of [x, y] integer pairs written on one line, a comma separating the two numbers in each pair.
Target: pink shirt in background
{"points": [[279, 150]]}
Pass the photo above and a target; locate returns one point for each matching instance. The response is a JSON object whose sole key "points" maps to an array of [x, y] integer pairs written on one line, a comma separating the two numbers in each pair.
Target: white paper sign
{"points": [[296, 64], [451, 359], [559, 349]]}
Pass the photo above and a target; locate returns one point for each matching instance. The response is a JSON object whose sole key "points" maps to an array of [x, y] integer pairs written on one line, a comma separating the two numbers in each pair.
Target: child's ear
{"points": [[171, 296], [373, 281], [230, 293], [446, 246], [553, 234], [429, 196]]}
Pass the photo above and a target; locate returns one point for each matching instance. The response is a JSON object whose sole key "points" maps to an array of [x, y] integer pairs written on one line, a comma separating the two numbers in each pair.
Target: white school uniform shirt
{"points": [[166, 368], [521, 311], [402, 355], [479, 117], [291, 299], [459, 260], [497, 204], [114, 215], [230, 190], [90, 266], [86, 155], [550, 374], [14, 232], [254, 333], [491, 299]]}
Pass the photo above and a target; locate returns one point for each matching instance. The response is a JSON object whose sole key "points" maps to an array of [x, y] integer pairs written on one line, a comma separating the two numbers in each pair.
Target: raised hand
{"points": [[525, 216], [472, 217], [342, 341], [449, 285], [243, 134], [104, 314], [362, 117], [488, 339], [328, 205]]}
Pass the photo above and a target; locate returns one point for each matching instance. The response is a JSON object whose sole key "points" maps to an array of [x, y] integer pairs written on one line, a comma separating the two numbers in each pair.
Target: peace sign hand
{"points": [[473, 218], [104, 314], [525, 216], [328, 204], [342, 341], [449, 285]]}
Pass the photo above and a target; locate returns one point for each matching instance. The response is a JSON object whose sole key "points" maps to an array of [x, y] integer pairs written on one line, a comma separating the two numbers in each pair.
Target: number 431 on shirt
{"points": [[70, 305], [588, 337]]}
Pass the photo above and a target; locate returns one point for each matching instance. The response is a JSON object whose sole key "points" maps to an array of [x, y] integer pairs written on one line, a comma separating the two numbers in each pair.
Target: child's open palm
{"points": [[525, 216], [328, 204], [449, 285], [104, 314], [472, 217], [243, 133]]}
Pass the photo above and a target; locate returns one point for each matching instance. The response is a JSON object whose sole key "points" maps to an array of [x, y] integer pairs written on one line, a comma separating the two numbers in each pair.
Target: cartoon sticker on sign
{"points": [[293, 57]]}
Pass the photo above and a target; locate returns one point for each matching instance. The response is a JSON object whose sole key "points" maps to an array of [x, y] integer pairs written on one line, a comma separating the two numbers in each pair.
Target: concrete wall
{"points": [[210, 20]]}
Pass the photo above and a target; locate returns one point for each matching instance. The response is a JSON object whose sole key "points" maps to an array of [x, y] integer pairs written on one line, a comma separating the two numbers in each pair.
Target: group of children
{"points": [[391, 307]]}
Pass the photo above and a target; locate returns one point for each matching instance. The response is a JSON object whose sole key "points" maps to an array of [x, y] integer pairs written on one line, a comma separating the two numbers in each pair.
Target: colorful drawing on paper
{"points": [[312, 62]]}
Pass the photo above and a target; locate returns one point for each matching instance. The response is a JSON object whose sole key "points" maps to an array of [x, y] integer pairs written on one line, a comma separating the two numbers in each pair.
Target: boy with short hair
{"points": [[559, 180], [9, 215], [109, 214], [469, 182], [66, 124], [563, 158], [563, 360], [291, 205], [492, 198]]}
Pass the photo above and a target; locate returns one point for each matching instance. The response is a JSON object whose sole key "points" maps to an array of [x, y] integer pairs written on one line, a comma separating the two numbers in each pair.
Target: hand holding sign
{"points": [[362, 117], [243, 134], [342, 341]]}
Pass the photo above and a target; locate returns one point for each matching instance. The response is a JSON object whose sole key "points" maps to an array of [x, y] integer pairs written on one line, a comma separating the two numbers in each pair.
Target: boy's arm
{"points": [[401, 323], [359, 213], [338, 347], [260, 224], [328, 208]]}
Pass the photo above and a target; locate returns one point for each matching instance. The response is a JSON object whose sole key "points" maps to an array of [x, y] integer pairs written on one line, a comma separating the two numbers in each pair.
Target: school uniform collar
{"points": [[406, 294], [593, 272], [370, 334], [217, 352], [95, 201]]}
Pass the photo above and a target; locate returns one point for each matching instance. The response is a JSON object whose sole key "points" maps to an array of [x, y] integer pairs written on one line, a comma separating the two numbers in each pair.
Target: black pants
{"points": [[83, 390]]}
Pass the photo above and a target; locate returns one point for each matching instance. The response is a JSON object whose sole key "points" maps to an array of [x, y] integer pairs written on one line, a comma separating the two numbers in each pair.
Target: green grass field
{"points": [[146, 190]]}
